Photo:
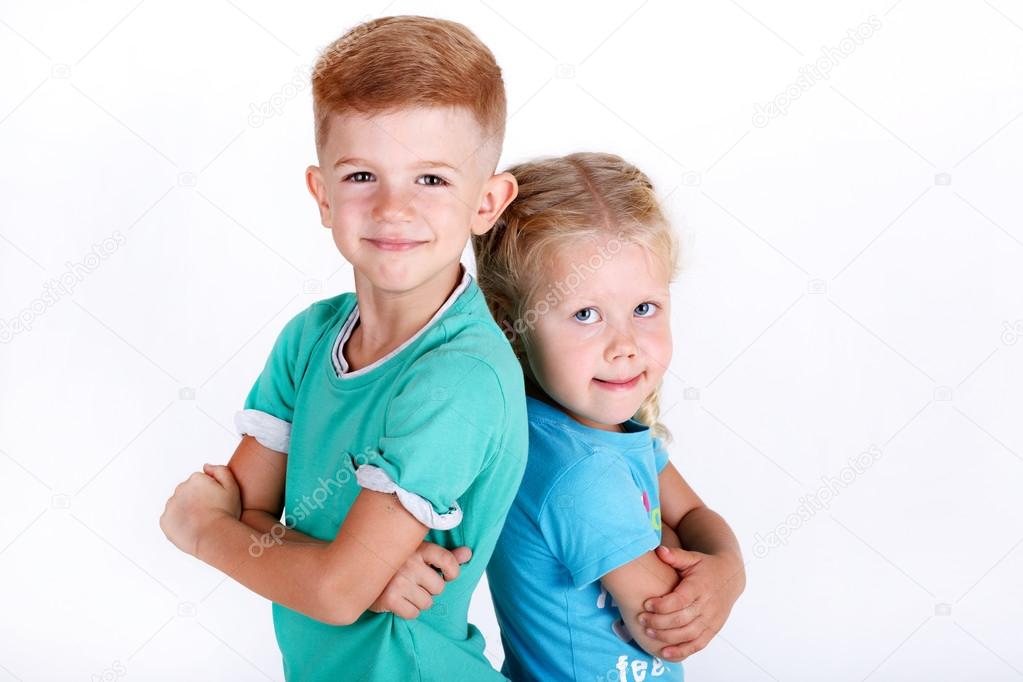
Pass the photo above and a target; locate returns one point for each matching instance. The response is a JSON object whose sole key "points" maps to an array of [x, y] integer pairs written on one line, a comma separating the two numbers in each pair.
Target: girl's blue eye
{"points": [[360, 176], [646, 309], [586, 315], [433, 180]]}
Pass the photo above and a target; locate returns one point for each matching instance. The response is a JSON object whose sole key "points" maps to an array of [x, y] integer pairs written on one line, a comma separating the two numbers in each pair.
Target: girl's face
{"points": [[598, 335]]}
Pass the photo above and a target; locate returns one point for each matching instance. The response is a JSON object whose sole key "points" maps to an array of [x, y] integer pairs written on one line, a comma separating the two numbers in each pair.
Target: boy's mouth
{"points": [[618, 384], [394, 244]]}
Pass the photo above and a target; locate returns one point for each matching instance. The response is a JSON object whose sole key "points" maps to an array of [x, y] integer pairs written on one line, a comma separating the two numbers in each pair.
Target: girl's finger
{"points": [[677, 636], [683, 595], [673, 620], [683, 651]]}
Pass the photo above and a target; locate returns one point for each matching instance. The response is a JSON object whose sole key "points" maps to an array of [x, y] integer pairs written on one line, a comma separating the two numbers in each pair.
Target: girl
{"points": [[577, 273]]}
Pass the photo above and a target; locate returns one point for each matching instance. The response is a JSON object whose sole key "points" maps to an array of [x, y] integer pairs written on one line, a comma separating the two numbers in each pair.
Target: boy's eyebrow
{"points": [[354, 161]]}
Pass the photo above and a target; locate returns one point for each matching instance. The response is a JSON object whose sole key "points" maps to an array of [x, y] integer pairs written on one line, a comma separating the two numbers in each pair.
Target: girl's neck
{"points": [[534, 391]]}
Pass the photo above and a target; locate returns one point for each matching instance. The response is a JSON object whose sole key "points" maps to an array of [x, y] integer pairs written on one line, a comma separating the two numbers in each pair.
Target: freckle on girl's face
{"points": [[603, 346]]}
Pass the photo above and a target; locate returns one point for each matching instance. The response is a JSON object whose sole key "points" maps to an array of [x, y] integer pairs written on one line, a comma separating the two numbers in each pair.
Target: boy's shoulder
{"points": [[319, 314], [467, 333]]}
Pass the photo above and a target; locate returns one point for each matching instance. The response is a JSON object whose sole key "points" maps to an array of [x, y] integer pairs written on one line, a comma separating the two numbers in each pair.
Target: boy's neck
{"points": [[387, 319]]}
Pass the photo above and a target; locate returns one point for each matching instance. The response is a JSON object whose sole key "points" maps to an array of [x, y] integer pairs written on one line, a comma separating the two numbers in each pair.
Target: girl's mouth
{"points": [[624, 385]]}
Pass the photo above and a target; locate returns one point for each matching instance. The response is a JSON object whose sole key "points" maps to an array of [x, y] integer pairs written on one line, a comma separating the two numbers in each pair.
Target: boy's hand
{"points": [[199, 499], [413, 587], [689, 616]]}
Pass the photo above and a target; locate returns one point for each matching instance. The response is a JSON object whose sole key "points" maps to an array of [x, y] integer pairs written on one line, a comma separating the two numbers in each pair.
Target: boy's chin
{"points": [[399, 278]]}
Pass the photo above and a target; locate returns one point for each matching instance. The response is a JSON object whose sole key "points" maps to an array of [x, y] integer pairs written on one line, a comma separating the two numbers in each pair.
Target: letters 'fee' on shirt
{"points": [[589, 503]]}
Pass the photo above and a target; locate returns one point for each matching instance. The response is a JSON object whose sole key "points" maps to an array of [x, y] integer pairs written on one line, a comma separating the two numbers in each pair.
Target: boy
{"points": [[393, 414]]}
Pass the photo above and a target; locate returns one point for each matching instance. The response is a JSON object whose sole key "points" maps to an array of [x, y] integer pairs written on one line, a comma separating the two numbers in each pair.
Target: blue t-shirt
{"points": [[589, 503]]}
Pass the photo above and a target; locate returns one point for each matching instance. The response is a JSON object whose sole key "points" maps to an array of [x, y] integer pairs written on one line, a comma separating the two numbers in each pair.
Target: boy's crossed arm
{"points": [[213, 517]]}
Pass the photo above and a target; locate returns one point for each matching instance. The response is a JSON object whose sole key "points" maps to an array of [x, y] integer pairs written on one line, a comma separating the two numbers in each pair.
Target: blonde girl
{"points": [[577, 273]]}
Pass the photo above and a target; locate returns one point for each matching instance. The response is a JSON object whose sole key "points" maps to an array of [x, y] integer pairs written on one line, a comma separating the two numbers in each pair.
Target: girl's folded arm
{"points": [[699, 528], [631, 585]]}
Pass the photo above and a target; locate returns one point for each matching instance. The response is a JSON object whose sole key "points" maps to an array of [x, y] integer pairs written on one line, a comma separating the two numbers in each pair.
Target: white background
{"points": [[852, 280]]}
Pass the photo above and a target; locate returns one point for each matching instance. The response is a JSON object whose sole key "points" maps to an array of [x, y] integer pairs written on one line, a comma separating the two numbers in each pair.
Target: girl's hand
{"points": [[413, 587], [198, 500], [688, 617]]}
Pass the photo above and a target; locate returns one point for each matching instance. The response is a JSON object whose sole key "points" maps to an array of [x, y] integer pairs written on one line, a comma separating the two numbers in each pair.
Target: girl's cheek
{"points": [[588, 333]]}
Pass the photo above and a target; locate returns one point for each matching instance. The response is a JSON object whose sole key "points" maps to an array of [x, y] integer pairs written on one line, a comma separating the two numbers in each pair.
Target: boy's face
{"points": [[402, 192], [605, 345]]}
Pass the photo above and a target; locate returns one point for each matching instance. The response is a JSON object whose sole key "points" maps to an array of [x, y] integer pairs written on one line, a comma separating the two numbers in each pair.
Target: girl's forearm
{"points": [[287, 573], [703, 530]]}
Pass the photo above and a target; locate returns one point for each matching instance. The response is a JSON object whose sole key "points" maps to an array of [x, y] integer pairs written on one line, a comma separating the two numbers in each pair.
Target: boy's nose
{"points": [[392, 206]]}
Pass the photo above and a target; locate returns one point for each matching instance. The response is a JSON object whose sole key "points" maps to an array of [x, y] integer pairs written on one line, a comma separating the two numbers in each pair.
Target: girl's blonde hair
{"points": [[562, 201]]}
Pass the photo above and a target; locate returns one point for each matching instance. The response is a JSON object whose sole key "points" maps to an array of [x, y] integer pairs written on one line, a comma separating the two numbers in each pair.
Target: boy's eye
{"points": [[433, 180], [646, 309], [359, 176], [586, 315]]}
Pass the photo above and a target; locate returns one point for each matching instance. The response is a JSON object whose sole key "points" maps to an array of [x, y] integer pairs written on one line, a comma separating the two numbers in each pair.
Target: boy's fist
{"points": [[413, 587], [198, 500]]}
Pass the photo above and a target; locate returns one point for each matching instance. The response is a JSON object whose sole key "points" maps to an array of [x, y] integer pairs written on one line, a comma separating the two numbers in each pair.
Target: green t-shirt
{"points": [[444, 419]]}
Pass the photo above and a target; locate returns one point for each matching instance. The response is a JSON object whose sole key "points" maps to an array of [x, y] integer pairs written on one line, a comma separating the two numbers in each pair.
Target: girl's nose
{"points": [[622, 345]]}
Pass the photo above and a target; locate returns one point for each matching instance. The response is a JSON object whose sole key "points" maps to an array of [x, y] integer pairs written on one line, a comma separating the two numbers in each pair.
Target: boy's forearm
{"points": [[288, 573], [273, 529]]}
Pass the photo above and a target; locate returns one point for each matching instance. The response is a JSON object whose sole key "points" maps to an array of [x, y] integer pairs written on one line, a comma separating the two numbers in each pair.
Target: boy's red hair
{"points": [[407, 61]]}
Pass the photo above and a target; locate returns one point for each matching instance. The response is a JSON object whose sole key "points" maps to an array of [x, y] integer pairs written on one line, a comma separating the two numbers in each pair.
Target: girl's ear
{"points": [[498, 191]]}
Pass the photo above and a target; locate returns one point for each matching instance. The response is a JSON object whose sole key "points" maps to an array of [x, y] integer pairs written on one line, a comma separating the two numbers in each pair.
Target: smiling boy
{"points": [[392, 414]]}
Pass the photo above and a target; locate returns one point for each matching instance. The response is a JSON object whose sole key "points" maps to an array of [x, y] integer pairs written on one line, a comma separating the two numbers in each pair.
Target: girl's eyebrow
{"points": [[573, 300]]}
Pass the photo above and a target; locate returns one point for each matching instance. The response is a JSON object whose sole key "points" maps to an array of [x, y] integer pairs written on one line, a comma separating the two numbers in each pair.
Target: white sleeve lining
{"points": [[268, 430], [374, 478]]}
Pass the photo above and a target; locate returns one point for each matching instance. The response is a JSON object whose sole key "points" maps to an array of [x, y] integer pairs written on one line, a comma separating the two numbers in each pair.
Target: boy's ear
{"points": [[498, 191], [318, 188]]}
